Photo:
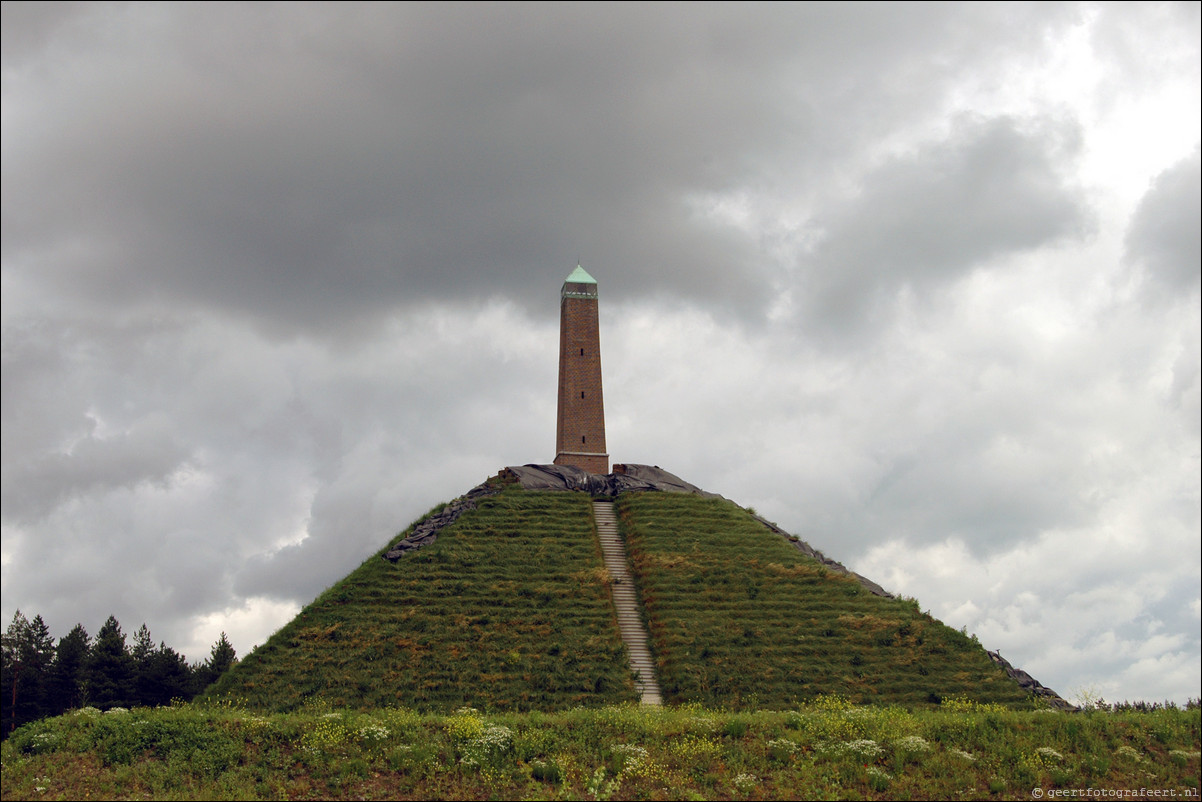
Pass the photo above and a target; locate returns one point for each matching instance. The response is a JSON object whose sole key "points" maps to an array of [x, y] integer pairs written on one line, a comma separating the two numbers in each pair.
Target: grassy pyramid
{"points": [[510, 609]]}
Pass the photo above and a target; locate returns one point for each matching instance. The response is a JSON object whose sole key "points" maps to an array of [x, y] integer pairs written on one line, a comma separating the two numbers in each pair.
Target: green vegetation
{"points": [[508, 610], [823, 750], [739, 618], [488, 665], [39, 679]]}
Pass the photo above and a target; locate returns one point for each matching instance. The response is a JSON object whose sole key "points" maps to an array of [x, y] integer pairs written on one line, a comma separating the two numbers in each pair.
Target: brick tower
{"points": [[580, 425]]}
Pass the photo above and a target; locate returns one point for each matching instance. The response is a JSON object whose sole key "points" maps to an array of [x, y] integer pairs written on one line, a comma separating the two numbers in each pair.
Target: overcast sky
{"points": [[918, 282]]}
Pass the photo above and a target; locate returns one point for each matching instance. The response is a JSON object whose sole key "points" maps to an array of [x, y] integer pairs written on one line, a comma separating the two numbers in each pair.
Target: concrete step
{"points": [[630, 623]]}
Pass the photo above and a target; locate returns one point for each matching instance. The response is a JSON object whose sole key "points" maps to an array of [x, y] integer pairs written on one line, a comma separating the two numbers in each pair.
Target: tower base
{"points": [[590, 461]]}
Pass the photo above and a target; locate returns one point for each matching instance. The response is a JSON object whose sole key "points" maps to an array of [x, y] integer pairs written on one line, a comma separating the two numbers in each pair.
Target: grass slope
{"points": [[740, 618], [508, 610]]}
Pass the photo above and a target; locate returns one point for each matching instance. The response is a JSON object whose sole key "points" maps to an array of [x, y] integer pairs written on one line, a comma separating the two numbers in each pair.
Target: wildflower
{"points": [[864, 748], [745, 783], [690, 746], [1048, 753], [42, 742], [1128, 752], [632, 756], [912, 743], [493, 743], [961, 754], [782, 749], [373, 732]]}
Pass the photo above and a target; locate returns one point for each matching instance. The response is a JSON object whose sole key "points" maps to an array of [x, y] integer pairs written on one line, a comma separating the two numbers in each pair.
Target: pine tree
{"points": [[28, 649], [109, 669], [65, 681], [221, 658], [143, 657], [11, 673], [38, 657], [171, 677]]}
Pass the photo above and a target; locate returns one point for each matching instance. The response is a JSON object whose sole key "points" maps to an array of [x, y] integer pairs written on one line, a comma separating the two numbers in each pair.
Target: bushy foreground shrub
{"points": [[827, 748]]}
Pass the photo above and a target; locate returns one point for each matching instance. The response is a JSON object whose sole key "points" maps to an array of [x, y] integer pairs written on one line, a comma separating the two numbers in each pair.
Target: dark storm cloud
{"points": [[1164, 235], [148, 454], [314, 166], [278, 278], [29, 26], [993, 187]]}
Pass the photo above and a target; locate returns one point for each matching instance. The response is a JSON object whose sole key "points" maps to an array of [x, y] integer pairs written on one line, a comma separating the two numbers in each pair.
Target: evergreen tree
{"points": [[170, 677], [65, 689], [10, 675], [109, 669], [221, 658], [27, 650], [143, 657], [38, 657]]}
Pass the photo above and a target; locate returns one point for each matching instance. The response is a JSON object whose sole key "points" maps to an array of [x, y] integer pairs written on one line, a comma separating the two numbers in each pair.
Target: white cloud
{"points": [[249, 624]]}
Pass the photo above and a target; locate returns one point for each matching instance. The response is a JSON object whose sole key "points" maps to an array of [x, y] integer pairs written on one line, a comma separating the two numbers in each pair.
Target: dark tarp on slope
{"points": [[426, 531], [624, 478]]}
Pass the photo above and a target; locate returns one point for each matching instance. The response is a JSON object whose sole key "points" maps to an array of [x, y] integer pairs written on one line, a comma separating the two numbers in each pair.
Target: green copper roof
{"points": [[579, 276]]}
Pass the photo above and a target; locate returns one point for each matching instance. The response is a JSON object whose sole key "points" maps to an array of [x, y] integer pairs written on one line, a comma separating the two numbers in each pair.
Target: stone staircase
{"points": [[634, 634]]}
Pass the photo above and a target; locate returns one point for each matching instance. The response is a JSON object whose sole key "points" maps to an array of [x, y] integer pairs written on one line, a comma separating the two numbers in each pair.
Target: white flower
{"points": [[633, 756], [745, 782], [912, 743], [373, 732], [865, 748]]}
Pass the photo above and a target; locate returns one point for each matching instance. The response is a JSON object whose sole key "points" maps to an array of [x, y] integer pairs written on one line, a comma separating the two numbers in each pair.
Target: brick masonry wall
{"points": [[580, 425]]}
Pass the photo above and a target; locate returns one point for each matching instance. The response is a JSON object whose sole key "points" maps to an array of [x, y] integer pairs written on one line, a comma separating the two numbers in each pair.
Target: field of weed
{"points": [[827, 749]]}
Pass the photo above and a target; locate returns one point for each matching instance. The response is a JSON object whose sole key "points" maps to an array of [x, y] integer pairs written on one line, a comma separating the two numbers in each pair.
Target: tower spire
{"points": [[580, 423]]}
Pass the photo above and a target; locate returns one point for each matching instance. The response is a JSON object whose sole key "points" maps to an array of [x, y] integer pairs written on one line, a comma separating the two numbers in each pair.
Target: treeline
{"points": [[43, 678]]}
